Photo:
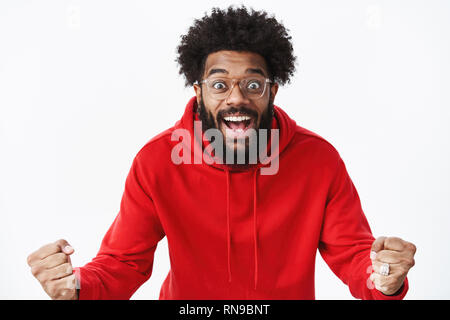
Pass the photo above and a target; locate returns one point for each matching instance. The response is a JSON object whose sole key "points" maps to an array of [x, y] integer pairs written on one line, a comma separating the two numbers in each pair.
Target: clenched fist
{"points": [[391, 260], [51, 265]]}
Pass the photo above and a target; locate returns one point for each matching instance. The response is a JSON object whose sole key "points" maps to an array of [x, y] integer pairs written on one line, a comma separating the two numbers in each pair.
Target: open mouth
{"points": [[236, 125]]}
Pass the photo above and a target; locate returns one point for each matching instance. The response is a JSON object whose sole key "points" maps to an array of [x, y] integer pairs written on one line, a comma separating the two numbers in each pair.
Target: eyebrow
{"points": [[249, 70], [212, 71], [255, 70]]}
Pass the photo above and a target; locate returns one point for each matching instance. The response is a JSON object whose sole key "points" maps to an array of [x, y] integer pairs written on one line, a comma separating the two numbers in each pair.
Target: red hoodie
{"points": [[236, 234]]}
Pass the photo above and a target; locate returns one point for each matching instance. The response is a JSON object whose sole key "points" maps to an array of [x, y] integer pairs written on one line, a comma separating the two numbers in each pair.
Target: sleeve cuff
{"points": [[378, 295], [85, 289]]}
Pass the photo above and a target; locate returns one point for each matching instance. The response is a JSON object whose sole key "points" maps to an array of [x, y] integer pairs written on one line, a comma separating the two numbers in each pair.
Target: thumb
{"points": [[377, 245], [65, 246]]}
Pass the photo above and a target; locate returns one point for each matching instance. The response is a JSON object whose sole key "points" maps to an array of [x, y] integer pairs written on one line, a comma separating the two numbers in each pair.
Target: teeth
{"points": [[237, 119]]}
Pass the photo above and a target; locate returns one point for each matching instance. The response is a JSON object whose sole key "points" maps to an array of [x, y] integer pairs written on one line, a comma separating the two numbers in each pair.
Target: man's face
{"points": [[221, 113]]}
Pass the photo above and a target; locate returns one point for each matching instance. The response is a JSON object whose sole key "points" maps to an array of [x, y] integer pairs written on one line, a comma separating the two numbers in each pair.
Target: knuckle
{"points": [[65, 269], [68, 268], [63, 257], [30, 259], [42, 276], [412, 248], [70, 282], [381, 255], [378, 241], [61, 243], [54, 274], [55, 247], [35, 271], [403, 269], [391, 241], [407, 264]]}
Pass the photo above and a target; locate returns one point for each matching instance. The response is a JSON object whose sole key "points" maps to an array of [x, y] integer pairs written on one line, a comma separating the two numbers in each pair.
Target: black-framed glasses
{"points": [[252, 87]]}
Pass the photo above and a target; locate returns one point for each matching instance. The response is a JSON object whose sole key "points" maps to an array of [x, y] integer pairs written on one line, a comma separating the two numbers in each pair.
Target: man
{"points": [[234, 231]]}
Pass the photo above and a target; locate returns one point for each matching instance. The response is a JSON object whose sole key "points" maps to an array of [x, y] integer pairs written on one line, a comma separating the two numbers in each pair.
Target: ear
{"points": [[198, 92], [274, 90]]}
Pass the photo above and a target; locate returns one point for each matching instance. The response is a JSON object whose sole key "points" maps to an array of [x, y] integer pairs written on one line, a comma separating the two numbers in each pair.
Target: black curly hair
{"points": [[236, 29]]}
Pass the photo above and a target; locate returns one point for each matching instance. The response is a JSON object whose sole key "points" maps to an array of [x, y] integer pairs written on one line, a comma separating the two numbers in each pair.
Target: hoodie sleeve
{"points": [[346, 239], [125, 259]]}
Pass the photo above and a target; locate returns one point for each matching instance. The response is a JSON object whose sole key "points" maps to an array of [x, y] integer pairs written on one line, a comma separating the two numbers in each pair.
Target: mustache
{"points": [[233, 110]]}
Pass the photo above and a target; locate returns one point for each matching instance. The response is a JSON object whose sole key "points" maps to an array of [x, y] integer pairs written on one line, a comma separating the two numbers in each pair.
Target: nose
{"points": [[236, 97]]}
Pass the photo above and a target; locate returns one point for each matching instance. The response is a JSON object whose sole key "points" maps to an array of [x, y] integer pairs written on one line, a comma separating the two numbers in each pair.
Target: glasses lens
{"points": [[252, 88]]}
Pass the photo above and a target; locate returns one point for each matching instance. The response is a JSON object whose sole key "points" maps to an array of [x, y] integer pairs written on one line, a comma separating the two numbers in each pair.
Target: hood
{"points": [[281, 121]]}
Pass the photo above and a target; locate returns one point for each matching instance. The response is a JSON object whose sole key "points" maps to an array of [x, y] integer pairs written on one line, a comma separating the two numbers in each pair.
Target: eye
{"points": [[219, 85], [253, 85]]}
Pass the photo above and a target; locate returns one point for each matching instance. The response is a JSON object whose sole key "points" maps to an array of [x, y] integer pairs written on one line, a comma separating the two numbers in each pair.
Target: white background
{"points": [[85, 84]]}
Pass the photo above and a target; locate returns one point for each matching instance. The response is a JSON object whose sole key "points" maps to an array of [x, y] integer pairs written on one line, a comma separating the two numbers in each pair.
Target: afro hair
{"points": [[236, 29]]}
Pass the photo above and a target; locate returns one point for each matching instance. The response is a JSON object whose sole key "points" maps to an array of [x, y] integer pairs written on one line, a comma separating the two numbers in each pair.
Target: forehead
{"points": [[235, 62]]}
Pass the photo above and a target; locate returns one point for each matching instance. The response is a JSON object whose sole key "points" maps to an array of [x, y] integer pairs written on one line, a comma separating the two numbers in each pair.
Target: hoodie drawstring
{"points": [[255, 236], [228, 224]]}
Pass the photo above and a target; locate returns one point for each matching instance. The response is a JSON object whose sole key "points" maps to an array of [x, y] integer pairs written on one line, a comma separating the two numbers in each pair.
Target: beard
{"points": [[210, 122]]}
